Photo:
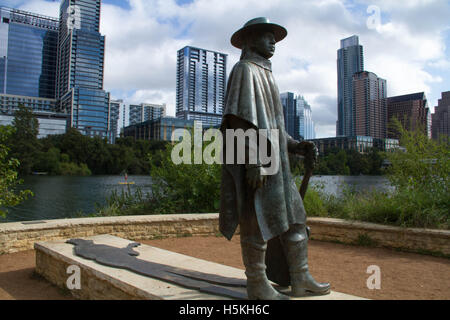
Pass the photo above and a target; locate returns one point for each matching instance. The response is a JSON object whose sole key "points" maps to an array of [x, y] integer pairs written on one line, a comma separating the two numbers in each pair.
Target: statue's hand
{"points": [[254, 176], [309, 150]]}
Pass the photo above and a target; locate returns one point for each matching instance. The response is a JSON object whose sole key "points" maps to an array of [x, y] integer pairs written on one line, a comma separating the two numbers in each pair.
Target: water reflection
{"points": [[68, 197], [336, 184]]}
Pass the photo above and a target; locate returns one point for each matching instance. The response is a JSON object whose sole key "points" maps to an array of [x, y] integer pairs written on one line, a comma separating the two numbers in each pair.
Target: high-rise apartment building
{"points": [[350, 60], [79, 86], [441, 117], [411, 110], [145, 112], [369, 105], [201, 85], [297, 116]]}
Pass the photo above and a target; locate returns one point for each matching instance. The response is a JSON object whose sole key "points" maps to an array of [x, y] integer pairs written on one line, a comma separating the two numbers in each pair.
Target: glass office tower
{"points": [[307, 129], [28, 44], [80, 67], [201, 85], [350, 60], [297, 116], [291, 116], [28, 54]]}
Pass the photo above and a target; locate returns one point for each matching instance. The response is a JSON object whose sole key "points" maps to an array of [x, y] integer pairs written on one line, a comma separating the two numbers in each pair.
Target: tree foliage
{"points": [[193, 188], [8, 174], [421, 174], [24, 143]]}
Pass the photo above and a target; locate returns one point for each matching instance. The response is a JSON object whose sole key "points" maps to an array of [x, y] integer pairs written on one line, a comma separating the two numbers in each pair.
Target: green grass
{"points": [[406, 209]]}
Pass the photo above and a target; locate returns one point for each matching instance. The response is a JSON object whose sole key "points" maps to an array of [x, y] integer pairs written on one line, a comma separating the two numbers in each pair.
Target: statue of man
{"points": [[264, 206]]}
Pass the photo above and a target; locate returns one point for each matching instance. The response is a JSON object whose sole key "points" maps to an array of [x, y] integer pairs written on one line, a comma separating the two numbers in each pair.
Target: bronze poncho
{"points": [[253, 96]]}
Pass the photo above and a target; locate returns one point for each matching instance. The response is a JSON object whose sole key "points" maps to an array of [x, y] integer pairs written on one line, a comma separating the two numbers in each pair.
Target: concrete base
{"points": [[102, 282]]}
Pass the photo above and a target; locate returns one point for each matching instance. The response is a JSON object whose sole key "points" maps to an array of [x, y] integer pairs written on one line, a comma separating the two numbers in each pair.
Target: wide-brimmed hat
{"points": [[279, 32]]}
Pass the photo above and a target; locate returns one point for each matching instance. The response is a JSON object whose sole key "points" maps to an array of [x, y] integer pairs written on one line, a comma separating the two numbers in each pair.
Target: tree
{"points": [[23, 141], [420, 174], [8, 175], [183, 187], [48, 161]]}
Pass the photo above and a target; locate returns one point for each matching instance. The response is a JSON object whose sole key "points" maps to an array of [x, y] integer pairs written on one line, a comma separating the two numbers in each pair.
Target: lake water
{"points": [[67, 197]]}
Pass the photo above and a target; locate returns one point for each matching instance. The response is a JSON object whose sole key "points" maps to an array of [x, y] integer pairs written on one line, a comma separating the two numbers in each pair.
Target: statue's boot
{"points": [[258, 286], [295, 245]]}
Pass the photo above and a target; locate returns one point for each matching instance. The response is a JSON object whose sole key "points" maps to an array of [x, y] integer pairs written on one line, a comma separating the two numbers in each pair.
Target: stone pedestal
{"points": [[97, 281]]}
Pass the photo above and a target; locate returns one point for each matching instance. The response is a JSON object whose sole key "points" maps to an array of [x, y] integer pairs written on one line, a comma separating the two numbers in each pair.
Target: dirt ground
{"points": [[403, 275]]}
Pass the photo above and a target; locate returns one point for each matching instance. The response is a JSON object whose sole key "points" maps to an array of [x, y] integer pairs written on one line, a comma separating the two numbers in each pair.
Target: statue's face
{"points": [[264, 44]]}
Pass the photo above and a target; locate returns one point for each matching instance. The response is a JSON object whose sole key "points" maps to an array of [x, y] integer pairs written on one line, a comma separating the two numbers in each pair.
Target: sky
{"points": [[406, 42]]}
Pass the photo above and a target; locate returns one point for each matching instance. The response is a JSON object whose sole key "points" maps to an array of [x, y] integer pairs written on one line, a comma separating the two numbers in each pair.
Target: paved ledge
{"points": [[357, 232], [19, 236], [103, 282]]}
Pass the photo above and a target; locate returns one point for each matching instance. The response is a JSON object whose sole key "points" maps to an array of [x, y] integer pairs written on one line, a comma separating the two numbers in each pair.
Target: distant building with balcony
{"points": [[369, 105], [157, 129], [441, 117], [411, 110], [50, 123], [145, 112], [360, 144]]}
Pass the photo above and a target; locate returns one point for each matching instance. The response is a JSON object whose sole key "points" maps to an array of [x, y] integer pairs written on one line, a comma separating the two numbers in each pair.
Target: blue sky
{"points": [[409, 47]]}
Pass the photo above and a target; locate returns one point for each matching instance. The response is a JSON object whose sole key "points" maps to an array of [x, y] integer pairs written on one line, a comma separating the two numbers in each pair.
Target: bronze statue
{"points": [[266, 207]]}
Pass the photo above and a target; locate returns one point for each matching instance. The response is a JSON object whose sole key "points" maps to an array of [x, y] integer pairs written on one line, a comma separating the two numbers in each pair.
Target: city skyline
{"points": [[409, 47]]}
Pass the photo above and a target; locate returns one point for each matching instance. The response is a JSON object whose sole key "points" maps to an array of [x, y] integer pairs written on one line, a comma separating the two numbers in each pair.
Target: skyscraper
{"points": [[297, 116], [201, 85], [441, 116], [28, 45], [411, 110], [350, 60], [80, 67], [291, 117], [369, 105], [307, 129]]}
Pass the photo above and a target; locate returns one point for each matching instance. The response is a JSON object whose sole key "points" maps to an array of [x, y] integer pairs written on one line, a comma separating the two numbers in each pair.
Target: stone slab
{"points": [[102, 282]]}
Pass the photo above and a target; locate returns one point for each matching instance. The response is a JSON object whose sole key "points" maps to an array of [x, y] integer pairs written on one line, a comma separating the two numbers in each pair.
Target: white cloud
{"points": [[45, 8]]}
